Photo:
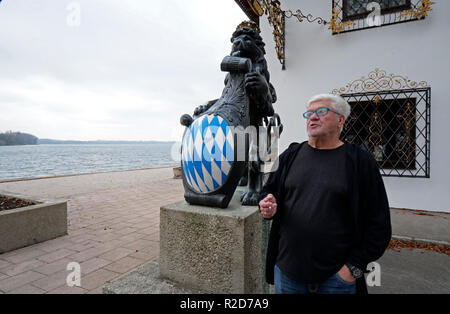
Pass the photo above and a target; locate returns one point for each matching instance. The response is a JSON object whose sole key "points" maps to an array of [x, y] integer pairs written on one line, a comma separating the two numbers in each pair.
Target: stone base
{"points": [[211, 249], [145, 280]]}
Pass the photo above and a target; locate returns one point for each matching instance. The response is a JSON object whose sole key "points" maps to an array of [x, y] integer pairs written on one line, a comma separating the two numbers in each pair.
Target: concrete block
{"points": [[29, 225]]}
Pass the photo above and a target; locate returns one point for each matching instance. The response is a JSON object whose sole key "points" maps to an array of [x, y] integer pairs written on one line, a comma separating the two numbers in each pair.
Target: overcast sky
{"points": [[124, 70]]}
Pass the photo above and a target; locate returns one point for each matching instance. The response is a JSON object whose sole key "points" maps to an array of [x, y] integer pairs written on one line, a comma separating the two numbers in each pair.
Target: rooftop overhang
{"points": [[251, 8]]}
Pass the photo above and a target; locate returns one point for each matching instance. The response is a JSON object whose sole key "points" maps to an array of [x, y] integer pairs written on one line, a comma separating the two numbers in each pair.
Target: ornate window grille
{"points": [[357, 9], [392, 124], [353, 15]]}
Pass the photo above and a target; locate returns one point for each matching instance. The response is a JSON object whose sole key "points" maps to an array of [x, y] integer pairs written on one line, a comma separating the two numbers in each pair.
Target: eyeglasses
{"points": [[321, 112]]}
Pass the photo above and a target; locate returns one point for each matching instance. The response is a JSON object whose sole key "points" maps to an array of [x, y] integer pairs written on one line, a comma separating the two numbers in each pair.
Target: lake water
{"points": [[31, 161]]}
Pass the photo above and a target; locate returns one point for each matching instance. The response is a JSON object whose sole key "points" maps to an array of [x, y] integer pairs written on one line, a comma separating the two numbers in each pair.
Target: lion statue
{"points": [[247, 43]]}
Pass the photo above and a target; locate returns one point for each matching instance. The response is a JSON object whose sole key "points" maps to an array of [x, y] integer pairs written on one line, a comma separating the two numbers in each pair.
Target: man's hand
{"points": [[268, 206], [345, 274]]}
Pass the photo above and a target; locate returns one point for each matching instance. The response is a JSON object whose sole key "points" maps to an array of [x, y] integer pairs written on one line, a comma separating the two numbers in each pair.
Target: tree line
{"points": [[17, 138]]}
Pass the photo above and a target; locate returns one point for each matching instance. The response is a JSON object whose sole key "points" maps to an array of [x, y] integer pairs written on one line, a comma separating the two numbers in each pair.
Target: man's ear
{"points": [[342, 120]]}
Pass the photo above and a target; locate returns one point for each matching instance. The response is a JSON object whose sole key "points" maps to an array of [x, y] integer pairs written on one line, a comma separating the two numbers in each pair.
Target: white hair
{"points": [[338, 103]]}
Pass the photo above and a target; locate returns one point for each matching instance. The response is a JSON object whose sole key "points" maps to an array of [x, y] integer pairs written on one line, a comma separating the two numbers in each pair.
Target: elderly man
{"points": [[329, 208]]}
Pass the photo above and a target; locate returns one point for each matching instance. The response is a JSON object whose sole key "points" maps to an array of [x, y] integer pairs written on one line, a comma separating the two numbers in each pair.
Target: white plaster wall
{"points": [[317, 62]]}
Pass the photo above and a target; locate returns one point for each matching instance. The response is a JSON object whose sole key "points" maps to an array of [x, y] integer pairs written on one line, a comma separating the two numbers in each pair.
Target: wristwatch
{"points": [[356, 272]]}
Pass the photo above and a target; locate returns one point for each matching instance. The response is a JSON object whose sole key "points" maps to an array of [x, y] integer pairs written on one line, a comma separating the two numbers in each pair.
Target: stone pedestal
{"points": [[211, 249]]}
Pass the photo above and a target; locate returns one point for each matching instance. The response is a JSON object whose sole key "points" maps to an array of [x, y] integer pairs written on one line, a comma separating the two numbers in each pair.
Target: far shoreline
{"points": [[93, 143], [82, 174]]}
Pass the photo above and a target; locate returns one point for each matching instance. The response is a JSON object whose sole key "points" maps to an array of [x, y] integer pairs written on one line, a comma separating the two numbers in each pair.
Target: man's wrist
{"points": [[355, 271]]}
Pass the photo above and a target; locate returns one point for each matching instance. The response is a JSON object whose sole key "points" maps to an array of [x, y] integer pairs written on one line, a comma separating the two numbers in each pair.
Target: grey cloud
{"points": [[168, 52]]}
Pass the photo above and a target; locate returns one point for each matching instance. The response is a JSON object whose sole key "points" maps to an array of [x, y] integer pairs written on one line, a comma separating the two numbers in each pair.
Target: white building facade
{"points": [[396, 78]]}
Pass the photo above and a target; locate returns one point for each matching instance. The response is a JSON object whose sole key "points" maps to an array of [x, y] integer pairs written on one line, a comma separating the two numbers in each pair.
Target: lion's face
{"points": [[245, 45]]}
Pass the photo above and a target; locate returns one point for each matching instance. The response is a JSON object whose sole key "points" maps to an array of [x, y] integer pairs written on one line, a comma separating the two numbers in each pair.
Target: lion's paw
{"points": [[250, 198], [199, 110]]}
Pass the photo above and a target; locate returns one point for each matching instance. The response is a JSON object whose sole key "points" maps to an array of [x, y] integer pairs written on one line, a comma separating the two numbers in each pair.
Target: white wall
{"points": [[317, 62]]}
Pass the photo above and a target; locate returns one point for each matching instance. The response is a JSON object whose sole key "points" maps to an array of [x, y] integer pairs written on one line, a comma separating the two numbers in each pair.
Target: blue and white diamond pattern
{"points": [[207, 153]]}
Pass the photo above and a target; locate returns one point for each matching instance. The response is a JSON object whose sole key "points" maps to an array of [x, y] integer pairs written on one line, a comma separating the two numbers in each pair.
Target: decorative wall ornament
{"points": [[378, 80], [300, 16], [377, 99], [375, 138], [420, 11], [405, 143], [277, 19], [336, 25]]}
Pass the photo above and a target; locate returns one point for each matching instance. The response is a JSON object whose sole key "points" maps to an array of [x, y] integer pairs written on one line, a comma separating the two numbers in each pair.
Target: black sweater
{"points": [[369, 208], [317, 228]]}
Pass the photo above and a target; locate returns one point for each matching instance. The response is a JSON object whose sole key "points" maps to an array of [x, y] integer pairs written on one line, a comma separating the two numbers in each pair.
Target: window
{"points": [[356, 9], [353, 15], [395, 127], [390, 119]]}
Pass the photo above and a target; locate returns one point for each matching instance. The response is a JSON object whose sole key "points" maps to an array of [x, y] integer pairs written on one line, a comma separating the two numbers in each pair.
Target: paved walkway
{"points": [[112, 230]]}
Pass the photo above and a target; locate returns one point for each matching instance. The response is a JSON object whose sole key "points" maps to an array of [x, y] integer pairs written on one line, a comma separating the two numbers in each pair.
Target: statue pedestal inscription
{"points": [[202, 250], [210, 249]]}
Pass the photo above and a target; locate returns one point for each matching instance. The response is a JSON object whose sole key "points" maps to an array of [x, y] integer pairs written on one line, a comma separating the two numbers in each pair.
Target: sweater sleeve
{"points": [[271, 186], [274, 180], [375, 216]]}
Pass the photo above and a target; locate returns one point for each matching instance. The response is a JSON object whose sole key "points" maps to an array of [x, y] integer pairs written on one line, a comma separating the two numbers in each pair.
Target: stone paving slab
{"points": [[145, 280]]}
